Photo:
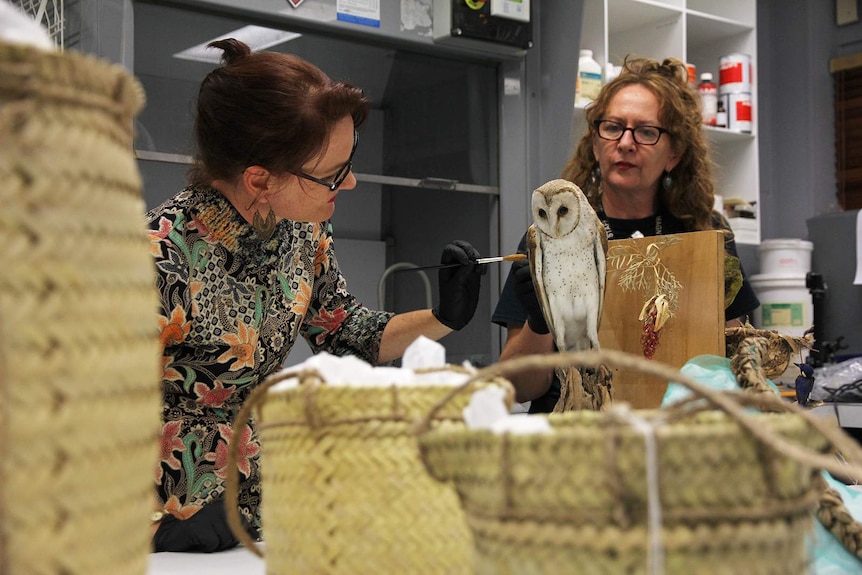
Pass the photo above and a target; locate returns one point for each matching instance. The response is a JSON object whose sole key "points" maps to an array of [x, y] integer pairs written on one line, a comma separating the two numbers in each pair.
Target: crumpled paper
{"points": [[17, 27], [423, 353], [487, 410]]}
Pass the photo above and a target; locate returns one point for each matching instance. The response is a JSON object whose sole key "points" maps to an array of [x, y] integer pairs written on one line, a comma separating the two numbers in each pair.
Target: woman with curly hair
{"points": [[644, 164]]}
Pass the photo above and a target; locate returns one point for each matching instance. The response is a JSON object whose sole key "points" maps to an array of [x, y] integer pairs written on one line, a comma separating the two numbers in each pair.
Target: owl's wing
{"points": [[600, 248], [534, 253]]}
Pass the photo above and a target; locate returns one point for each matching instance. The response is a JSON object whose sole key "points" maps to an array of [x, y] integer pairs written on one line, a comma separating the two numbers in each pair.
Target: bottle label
{"points": [[591, 84], [708, 102]]}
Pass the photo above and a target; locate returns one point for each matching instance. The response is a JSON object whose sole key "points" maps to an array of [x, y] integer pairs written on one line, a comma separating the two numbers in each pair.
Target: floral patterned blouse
{"points": [[231, 308]]}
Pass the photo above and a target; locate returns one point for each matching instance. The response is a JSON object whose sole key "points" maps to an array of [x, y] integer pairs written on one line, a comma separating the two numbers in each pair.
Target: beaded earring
{"points": [[666, 181], [596, 174]]}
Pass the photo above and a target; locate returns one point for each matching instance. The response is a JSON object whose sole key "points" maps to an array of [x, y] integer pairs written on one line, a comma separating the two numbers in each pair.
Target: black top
{"points": [[510, 311]]}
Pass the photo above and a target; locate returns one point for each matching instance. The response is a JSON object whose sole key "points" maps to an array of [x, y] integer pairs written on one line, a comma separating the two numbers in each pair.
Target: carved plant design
{"points": [[645, 272]]}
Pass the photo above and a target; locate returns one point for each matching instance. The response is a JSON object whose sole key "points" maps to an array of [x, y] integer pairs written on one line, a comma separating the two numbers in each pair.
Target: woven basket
{"points": [[344, 489], [733, 492], [79, 350]]}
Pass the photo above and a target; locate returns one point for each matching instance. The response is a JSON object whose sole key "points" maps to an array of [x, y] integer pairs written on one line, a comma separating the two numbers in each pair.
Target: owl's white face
{"points": [[556, 212]]}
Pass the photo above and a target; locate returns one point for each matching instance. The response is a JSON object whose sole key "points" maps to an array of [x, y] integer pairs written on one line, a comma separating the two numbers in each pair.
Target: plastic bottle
{"points": [[589, 80], [708, 98], [721, 114]]}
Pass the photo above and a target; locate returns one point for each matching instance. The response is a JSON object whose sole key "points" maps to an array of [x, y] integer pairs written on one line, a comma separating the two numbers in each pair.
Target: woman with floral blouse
{"points": [[245, 264]]}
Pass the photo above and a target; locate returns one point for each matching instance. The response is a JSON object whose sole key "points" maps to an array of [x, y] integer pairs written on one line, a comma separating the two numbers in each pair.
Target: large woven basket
{"points": [[344, 489], [681, 491], [79, 352]]}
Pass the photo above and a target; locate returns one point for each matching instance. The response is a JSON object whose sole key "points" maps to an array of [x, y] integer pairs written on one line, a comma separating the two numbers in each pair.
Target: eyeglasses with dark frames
{"points": [[341, 175], [644, 135]]}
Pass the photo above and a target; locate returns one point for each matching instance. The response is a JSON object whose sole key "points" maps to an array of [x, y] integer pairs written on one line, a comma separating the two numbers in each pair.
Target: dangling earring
{"points": [[264, 227], [666, 181], [596, 174]]}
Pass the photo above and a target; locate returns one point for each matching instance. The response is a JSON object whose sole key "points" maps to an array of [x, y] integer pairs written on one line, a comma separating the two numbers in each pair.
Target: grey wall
{"points": [[796, 41]]}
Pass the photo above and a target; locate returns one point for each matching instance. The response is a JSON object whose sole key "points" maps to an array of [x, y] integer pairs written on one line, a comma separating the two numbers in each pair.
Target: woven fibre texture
{"points": [[345, 489], [775, 547], [79, 350], [715, 484]]}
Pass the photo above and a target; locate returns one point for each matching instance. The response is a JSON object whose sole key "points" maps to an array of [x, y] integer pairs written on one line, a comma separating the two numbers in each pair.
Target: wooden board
{"points": [[696, 262]]}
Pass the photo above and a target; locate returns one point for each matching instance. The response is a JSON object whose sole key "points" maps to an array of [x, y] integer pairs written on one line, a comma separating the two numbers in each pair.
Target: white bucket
{"points": [[790, 257], [785, 307], [785, 303]]}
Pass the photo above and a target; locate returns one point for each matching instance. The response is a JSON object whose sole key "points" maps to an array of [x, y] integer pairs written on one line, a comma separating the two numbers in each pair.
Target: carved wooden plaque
{"points": [[689, 270]]}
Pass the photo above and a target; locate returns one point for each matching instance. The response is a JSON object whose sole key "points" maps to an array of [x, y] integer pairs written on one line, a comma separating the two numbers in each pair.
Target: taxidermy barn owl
{"points": [[566, 245]]}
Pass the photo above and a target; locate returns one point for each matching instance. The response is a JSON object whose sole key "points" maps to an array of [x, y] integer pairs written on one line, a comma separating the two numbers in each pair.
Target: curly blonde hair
{"points": [[691, 196]]}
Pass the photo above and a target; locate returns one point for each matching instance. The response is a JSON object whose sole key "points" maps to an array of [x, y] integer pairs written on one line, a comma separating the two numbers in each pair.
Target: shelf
{"points": [[706, 30], [627, 15], [427, 183], [738, 10], [723, 135]]}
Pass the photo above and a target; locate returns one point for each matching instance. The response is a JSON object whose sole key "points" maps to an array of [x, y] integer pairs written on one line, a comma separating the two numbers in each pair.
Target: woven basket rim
{"points": [[31, 73]]}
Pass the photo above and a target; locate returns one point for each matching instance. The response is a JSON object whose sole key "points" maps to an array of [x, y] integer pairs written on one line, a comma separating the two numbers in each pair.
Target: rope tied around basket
{"points": [[647, 428]]}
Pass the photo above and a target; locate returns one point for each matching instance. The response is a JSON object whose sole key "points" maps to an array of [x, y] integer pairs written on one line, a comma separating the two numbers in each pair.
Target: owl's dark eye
{"points": [[543, 214], [562, 211]]}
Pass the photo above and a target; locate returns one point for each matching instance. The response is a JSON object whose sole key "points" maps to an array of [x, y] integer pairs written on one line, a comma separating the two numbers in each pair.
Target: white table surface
{"points": [[236, 561]]}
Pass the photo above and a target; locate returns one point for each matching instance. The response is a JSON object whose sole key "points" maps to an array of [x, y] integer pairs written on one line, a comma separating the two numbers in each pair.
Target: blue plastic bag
{"points": [[712, 371]]}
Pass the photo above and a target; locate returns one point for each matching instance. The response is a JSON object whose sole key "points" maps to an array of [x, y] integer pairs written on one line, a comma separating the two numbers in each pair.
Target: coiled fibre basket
{"points": [[79, 350], [344, 489], [713, 492]]}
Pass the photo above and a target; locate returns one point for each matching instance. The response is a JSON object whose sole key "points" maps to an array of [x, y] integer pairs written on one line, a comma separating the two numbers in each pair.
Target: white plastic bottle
{"points": [[589, 80], [708, 98]]}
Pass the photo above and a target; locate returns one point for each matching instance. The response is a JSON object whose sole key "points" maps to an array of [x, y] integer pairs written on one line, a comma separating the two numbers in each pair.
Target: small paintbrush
{"points": [[508, 258]]}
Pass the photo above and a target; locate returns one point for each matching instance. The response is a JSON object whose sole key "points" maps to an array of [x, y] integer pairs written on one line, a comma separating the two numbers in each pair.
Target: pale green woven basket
{"points": [[735, 490], [344, 489], [79, 349]]}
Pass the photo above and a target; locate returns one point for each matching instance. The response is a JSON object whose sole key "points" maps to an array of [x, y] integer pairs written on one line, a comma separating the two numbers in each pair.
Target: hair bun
{"points": [[232, 49]]}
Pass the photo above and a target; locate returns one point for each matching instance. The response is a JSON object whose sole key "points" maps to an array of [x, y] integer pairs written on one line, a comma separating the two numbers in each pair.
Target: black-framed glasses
{"points": [[341, 175], [645, 135]]}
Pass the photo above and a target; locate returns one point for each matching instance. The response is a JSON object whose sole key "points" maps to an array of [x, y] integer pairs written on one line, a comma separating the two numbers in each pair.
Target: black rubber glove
{"points": [[459, 285], [526, 292], [206, 531]]}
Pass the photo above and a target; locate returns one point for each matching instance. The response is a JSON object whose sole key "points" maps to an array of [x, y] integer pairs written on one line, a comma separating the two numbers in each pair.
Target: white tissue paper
{"points": [[487, 407], [17, 27], [423, 353], [487, 410]]}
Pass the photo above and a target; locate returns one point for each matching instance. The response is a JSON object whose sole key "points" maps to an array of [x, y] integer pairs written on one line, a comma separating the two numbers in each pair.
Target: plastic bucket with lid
{"points": [[786, 256], [785, 307]]}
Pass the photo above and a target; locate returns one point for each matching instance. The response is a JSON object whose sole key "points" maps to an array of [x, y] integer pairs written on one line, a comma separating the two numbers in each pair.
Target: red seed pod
{"points": [[649, 336]]}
